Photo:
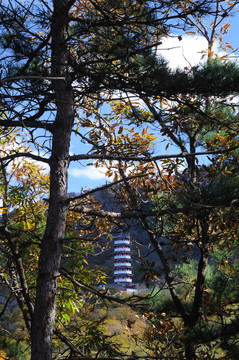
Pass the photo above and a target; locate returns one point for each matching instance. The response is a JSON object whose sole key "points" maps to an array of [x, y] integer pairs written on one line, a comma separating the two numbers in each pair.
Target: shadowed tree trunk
{"points": [[50, 257]]}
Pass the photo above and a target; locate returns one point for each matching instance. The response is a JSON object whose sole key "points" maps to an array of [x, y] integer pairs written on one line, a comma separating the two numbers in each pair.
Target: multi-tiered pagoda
{"points": [[122, 261]]}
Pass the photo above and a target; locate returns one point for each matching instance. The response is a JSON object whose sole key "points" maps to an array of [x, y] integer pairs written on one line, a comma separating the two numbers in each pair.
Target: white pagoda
{"points": [[122, 261]]}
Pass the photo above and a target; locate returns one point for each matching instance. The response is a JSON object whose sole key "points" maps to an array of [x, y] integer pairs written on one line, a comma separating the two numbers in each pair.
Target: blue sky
{"points": [[188, 51], [233, 35]]}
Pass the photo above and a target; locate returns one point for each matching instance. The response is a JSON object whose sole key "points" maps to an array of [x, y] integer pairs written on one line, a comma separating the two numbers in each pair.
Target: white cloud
{"points": [[187, 52], [90, 172]]}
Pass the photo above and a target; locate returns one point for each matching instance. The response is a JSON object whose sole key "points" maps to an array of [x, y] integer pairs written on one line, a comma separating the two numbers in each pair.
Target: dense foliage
{"points": [[92, 70]]}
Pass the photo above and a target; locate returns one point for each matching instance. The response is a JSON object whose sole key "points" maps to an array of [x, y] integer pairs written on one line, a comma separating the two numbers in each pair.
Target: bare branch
{"points": [[100, 188], [128, 214], [131, 300], [26, 124], [6, 304], [150, 158], [17, 78], [25, 155]]}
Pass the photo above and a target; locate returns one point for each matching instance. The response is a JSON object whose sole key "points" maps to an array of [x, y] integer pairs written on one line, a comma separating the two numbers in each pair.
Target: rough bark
{"points": [[45, 305], [198, 297], [201, 276]]}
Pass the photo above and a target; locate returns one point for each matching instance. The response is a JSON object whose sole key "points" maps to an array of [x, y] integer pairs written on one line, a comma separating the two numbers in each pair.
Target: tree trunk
{"points": [[45, 304], [189, 351], [194, 315]]}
